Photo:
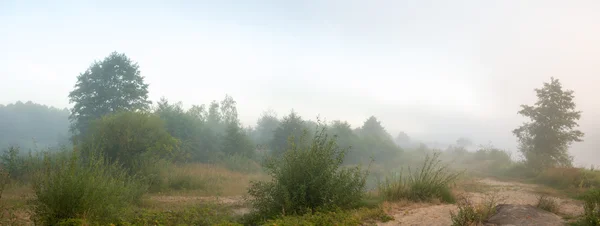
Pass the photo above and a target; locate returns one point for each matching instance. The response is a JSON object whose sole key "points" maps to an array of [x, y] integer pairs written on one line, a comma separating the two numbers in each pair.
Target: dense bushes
{"points": [[308, 177], [93, 190], [430, 181], [129, 137]]}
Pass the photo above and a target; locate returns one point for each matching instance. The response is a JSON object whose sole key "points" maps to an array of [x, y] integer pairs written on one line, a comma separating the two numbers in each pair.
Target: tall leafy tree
{"points": [[111, 85], [544, 141]]}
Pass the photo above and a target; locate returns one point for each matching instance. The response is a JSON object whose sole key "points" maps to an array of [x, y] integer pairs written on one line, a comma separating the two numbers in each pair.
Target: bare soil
{"points": [[508, 192]]}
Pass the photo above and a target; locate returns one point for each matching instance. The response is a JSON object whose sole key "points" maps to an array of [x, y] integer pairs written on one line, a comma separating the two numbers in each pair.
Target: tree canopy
{"points": [[545, 139], [111, 85]]}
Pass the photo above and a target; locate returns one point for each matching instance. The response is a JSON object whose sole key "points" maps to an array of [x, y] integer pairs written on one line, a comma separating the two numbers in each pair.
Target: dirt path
{"points": [[507, 192]]}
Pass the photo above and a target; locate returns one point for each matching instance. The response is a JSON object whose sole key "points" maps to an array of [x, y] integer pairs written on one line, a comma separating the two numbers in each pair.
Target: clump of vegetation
{"points": [[547, 203], [591, 216], [474, 214], [129, 137], [430, 181], [338, 217], [308, 178], [96, 190]]}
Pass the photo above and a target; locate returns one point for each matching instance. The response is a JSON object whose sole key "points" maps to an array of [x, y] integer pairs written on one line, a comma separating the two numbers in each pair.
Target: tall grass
{"points": [[470, 213], [94, 190], [430, 181]]}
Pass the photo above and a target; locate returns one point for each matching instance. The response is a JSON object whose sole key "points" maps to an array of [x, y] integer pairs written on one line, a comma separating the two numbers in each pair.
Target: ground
{"points": [[477, 190], [404, 213]]}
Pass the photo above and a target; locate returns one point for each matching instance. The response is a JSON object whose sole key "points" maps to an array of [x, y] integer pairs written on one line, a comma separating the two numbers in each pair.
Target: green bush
{"points": [[591, 208], [430, 181], [307, 178], [96, 191], [129, 137]]}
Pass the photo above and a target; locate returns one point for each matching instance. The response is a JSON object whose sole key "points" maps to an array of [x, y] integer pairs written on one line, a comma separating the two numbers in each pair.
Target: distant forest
{"points": [[33, 126]]}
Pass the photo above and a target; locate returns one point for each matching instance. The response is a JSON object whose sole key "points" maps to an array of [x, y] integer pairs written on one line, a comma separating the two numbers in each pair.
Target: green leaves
{"points": [[544, 141], [108, 86], [308, 177]]}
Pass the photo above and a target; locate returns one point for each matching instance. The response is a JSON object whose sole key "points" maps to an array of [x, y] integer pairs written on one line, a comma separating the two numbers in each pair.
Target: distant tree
{"points": [[402, 139], [265, 128], [111, 85], [544, 141], [292, 126], [377, 141], [464, 142], [235, 140]]}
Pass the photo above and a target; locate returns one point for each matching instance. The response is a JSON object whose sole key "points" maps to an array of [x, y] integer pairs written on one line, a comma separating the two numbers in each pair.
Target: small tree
{"points": [[544, 141], [109, 86]]}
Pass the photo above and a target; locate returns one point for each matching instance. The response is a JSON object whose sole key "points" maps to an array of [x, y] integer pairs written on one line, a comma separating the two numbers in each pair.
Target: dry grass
{"points": [[209, 180]]}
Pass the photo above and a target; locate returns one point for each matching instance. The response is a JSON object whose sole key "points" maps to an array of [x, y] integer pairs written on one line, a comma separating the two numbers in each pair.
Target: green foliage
{"points": [[291, 127], [94, 190], [306, 178], [376, 143], [111, 85], [129, 137], [337, 217], [236, 141], [13, 163], [591, 206], [431, 181], [265, 128], [545, 140], [30, 125]]}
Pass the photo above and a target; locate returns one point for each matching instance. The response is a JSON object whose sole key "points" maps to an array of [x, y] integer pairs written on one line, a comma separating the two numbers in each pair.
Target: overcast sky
{"points": [[437, 70]]}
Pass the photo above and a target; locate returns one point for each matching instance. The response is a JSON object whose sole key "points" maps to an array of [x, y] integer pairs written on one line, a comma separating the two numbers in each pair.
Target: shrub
{"points": [[94, 190], [591, 208], [431, 181], [547, 203], [565, 178], [307, 178], [129, 137], [472, 214]]}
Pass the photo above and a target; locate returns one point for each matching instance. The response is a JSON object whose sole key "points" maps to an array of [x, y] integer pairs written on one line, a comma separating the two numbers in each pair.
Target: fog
{"points": [[437, 70]]}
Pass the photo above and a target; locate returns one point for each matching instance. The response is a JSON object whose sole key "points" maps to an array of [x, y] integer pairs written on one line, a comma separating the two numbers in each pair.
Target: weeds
{"points": [[471, 214], [591, 216], [431, 181], [548, 204], [94, 191]]}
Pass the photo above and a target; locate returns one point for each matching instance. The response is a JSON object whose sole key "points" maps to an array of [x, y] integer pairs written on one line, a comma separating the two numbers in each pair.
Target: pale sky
{"points": [[437, 70]]}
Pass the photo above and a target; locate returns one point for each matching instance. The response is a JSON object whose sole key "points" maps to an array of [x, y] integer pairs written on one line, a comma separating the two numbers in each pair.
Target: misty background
{"points": [[437, 70]]}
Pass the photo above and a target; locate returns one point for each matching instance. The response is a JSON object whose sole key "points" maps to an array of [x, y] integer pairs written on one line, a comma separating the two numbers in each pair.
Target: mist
{"points": [[435, 71]]}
